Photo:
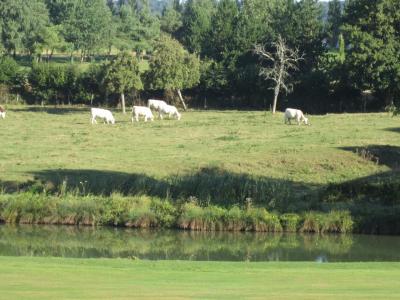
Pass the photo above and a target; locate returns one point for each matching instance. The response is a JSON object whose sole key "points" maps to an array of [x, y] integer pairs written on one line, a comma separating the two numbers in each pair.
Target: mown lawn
{"points": [[35, 141], [57, 278]]}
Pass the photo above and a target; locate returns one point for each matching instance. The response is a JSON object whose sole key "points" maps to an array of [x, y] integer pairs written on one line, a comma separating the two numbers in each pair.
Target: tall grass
{"points": [[334, 221], [146, 212]]}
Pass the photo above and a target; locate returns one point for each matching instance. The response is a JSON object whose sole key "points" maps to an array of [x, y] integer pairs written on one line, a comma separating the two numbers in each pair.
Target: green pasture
{"points": [[39, 142], [57, 278]]}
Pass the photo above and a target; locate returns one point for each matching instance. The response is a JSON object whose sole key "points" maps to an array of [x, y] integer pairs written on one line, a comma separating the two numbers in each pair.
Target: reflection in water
{"points": [[65, 241]]}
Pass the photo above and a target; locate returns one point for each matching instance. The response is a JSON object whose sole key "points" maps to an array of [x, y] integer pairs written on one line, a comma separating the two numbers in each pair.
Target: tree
{"points": [[372, 31], [8, 69], [172, 67], [52, 40], [148, 29], [255, 22], [59, 10], [284, 59], [301, 25], [22, 24], [86, 26], [122, 75], [171, 20], [334, 22], [223, 23], [196, 27]]}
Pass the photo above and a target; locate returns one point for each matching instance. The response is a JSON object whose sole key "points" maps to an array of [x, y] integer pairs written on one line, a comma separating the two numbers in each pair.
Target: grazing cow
{"points": [[297, 114], [2, 112], [156, 105], [170, 111], [104, 114], [141, 111]]}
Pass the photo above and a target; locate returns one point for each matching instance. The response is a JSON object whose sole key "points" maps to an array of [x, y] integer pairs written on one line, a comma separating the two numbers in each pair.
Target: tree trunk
{"points": [[83, 53], [123, 103], [276, 94], [277, 87], [181, 98]]}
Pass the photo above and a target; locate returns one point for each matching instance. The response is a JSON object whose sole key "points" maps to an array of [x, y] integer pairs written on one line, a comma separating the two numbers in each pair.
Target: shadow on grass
{"points": [[207, 185], [53, 110], [393, 129], [381, 188], [379, 154]]}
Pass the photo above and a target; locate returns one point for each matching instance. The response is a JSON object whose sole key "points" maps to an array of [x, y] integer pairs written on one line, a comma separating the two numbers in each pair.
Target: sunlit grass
{"points": [[55, 278], [244, 142]]}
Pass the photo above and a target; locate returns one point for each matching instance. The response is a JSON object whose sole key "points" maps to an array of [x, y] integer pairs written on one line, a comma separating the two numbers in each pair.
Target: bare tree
{"points": [[283, 60]]}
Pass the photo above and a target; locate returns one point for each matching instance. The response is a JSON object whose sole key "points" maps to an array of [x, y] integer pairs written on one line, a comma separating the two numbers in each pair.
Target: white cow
{"points": [[156, 105], [101, 113], [297, 114], [170, 111], [142, 111], [2, 112]]}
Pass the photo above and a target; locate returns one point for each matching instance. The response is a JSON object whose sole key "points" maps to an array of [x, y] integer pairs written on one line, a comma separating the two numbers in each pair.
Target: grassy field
{"points": [[344, 162], [36, 141], [56, 278]]}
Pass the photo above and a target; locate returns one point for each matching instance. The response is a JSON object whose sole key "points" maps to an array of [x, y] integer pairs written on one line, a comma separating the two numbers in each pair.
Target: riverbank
{"points": [[57, 278], [148, 212]]}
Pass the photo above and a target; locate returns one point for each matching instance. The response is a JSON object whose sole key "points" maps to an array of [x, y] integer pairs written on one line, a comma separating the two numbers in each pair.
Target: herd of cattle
{"points": [[159, 106], [162, 108]]}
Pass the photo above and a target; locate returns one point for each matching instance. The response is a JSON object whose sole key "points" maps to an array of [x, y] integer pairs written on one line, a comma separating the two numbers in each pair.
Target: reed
{"points": [[145, 212]]}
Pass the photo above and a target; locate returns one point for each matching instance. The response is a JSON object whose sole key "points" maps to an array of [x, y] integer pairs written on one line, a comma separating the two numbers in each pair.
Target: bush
{"points": [[312, 222], [8, 69], [145, 212], [290, 222]]}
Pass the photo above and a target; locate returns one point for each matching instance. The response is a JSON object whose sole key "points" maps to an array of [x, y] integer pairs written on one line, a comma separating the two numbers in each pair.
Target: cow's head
{"points": [[306, 121]]}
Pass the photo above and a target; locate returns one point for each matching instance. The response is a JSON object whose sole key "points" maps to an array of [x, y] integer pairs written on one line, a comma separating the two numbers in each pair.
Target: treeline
{"points": [[350, 55]]}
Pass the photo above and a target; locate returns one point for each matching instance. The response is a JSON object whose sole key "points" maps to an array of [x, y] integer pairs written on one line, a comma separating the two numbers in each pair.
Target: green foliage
{"points": [[172, 67], [22, 24], [146, 212], [373, 33], [54, 83], [171, 20], [196, 19], [86, 25], [334, 221], [290, 222], [223, 24], [213, 76], [122, 74], [8, 69], [334, 22]]}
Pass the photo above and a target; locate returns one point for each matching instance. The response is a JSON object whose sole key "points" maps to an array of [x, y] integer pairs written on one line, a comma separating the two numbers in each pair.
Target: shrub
{"points": [[290, 222], [337, 221], [8, 69], [312, 222]]}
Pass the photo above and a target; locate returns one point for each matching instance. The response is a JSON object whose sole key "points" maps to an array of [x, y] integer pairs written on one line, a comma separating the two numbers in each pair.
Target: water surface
{"points": [[88, 242]]}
